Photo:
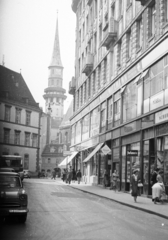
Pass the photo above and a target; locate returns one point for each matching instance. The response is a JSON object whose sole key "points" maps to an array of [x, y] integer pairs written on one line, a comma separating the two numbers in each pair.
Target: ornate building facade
{"points": [[120, 89]]}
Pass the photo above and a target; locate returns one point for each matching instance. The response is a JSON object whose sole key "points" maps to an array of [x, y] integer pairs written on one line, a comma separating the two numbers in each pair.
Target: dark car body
{"points": [[13, 197], [7, 170]]}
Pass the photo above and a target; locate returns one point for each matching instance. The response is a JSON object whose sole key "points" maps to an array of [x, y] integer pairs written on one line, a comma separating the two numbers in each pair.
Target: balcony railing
{"points": [[142, 2], [110, 33], [72, 86], [88, 64]]}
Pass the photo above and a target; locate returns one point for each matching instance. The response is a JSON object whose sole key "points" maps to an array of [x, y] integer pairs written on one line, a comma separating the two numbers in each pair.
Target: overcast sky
{"points": [[27, 31]]}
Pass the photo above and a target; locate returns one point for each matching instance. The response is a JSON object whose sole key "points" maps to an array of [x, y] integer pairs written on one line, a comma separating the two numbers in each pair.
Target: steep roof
{"points": [[14, 88], [56, 56]]}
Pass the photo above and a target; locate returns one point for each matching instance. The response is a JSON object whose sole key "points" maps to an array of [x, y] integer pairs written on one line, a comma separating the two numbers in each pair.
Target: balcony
{"points": [[142, 2], [89, 2], [88, 64], [110, 33], [72, 86]]}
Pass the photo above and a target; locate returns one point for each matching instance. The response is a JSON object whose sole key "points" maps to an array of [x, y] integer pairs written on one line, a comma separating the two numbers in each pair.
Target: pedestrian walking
{"points": [[78, 175], [115, 178], [74, 175], [105, 178], [69, 175], [64, 175], [53, 174], [154, 176], [134, 184]]}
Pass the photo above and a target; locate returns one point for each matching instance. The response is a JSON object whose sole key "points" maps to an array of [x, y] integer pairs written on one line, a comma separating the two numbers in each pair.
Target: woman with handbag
{"points": [[134, 184]]}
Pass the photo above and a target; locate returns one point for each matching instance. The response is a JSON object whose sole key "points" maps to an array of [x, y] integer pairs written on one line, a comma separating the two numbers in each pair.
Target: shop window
{"points": [[26, 161]]}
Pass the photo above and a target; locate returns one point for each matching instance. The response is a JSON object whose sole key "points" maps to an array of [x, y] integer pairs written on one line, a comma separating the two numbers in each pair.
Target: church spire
{"points": [[56, 56]]}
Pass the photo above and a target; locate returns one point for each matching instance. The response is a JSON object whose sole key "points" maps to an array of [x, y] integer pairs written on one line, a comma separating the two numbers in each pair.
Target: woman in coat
{"points": [[134, 184]]}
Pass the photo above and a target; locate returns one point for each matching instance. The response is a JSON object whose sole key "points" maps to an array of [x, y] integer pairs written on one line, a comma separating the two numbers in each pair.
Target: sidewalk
{"points": [[143, 203]]}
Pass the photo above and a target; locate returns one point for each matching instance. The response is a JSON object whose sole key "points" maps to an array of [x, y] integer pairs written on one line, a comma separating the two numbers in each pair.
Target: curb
{"points": [[122, 203]]}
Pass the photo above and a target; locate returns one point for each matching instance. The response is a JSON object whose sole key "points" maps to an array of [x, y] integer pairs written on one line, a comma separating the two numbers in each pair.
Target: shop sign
{"points": [[106, 149], [132, 152], [156, 101], [161, 116], [162, 129]]}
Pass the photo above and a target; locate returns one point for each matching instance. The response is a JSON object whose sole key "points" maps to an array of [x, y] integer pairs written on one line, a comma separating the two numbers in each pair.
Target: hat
{"points": [[135, 170]]}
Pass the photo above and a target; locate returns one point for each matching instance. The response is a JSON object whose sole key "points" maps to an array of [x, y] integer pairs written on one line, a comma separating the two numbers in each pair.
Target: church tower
{"points": [[55, 94]]}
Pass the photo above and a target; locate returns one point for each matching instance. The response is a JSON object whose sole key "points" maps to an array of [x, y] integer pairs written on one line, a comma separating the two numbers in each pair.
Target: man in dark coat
{"points": [[79, 175]]}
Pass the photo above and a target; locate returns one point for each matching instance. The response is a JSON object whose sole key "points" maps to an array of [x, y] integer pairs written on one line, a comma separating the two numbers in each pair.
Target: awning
{"points": [[93, 152], [67, 160]]}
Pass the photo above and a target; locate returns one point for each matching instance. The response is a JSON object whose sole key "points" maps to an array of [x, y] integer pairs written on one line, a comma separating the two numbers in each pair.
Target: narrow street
{"points": [[57, 211]]}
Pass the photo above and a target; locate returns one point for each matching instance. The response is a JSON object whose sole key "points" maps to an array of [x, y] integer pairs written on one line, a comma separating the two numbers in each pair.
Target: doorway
{"points": [[148, 165]]}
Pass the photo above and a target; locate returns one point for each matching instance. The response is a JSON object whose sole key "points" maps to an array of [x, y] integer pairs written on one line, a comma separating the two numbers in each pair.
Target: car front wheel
{"points": [[22, 219]]}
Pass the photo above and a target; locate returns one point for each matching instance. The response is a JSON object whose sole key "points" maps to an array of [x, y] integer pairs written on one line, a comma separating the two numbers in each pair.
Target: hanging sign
{"points": [[106, 150], [132, 152]]}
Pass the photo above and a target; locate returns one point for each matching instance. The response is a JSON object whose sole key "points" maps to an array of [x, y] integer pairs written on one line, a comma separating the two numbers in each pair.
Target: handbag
{"points": [[140, 185]]}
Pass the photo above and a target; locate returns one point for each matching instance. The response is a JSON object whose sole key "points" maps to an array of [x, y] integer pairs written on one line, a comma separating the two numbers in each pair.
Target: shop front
{"points": [[131, 152]]}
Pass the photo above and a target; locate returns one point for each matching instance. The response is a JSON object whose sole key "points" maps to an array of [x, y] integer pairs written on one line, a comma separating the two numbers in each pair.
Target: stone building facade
{"points": [[120, 89]]}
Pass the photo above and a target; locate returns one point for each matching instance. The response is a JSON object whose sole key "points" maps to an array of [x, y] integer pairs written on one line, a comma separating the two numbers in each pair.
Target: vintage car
{"points": [[13, 197]]}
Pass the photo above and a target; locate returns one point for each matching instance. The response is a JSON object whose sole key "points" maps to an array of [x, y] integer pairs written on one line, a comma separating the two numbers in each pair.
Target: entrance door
{"points": [[148, 165]]}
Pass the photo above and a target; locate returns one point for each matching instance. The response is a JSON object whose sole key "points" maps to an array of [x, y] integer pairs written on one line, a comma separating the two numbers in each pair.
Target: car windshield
{"points": [[9, 181]]}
